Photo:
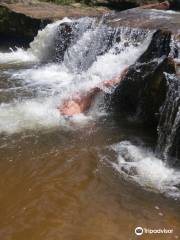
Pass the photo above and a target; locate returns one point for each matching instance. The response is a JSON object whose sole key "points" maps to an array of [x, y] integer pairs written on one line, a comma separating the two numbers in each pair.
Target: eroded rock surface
{"points": [[146, 19]]}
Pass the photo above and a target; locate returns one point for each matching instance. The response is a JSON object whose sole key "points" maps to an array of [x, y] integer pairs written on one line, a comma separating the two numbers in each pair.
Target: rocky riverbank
{"points": [[24, 19], [19, 18]]}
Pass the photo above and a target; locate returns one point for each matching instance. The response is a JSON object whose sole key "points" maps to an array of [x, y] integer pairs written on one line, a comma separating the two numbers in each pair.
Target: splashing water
{"points": [[141, 166], [43, 45], [97, 53], [17, 56], [40, 49]]}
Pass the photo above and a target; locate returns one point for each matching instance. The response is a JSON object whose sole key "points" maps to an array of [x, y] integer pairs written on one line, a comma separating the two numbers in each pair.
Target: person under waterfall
{"points": [[82, 103]]}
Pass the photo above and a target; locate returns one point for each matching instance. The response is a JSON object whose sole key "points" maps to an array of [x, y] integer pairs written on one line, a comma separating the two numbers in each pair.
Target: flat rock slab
{"points": [[43, 10], [147, 19], [24, 19]]}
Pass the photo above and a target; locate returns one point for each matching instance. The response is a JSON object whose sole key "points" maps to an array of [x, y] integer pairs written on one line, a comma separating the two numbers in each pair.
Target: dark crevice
{"points": [[118, 6]]}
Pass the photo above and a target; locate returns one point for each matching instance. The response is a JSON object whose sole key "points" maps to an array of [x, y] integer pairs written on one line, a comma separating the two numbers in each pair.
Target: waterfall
{"points": [[169, 124], [170, 119], [42, 46], [68, 57]]}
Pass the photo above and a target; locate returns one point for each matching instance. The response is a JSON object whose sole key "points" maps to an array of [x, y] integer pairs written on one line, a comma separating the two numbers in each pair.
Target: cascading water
{"points": [[41, 49], [94, 53], [169, 124], [168, 129]]}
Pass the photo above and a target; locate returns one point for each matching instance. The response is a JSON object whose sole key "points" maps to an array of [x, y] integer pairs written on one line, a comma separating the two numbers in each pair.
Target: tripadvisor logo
{"points": [[140, 231]]}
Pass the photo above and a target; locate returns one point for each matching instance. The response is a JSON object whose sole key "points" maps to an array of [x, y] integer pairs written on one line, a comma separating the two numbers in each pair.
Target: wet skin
{"points": [[82, 103]]}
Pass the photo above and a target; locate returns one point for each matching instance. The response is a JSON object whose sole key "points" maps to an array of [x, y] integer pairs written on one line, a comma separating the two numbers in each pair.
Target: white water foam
{"points": [[59, 77], [57, 82], [39, 49], [37, 114], [143, 167], [105, 67], [17, 56], [27, 115], [42, 45]]}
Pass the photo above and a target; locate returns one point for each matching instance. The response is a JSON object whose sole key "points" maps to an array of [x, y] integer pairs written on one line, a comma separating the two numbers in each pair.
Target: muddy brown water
{"points": [[54, 185]]}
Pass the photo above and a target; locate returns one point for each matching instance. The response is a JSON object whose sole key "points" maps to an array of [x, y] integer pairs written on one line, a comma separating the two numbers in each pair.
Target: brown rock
{"points": [[159, 6], [24, 18], [143, 89], [146, 19], [44, 10]]}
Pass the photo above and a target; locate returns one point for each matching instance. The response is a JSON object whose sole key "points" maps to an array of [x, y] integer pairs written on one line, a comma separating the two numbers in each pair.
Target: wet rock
{"points": [[63, 40], [146, 19], [143, 89]]}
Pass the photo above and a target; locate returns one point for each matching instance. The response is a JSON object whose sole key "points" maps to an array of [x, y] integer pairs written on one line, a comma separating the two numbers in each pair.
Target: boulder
{"points": [[143, 89], [14, 24]]}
